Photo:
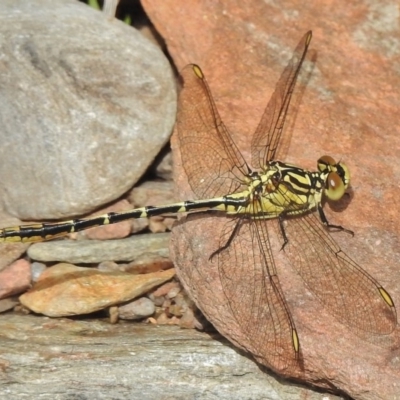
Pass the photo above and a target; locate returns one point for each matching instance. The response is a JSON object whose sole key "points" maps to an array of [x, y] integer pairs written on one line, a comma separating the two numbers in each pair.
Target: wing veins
{"points": [[334, 275], [255, 297], [268, 133]]}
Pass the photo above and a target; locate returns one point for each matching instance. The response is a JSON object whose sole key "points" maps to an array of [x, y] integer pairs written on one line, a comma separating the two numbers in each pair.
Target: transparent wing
{"points": [[251, 287], [211, 160], [347, 291], [268, 133]]}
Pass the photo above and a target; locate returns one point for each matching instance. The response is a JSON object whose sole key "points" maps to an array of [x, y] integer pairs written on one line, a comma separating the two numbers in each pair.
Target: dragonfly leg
{"points": [[283, 232], [229, 241], [325, 221]]}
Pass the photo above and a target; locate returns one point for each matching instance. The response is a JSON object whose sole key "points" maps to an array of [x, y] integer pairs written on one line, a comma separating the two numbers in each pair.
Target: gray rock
{"points": [[138, 309], [37, 269], [8, 303], [96, 251], [75, 359], [86, 103]]}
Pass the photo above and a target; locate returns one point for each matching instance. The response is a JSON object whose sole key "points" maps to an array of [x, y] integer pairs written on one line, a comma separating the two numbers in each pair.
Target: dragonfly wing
{"points": [[352, 295], [254, 295], [212, 162], [268, 133]]}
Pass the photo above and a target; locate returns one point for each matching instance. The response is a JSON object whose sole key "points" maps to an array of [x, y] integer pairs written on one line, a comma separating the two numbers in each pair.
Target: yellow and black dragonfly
{"points": [[224, 182]]}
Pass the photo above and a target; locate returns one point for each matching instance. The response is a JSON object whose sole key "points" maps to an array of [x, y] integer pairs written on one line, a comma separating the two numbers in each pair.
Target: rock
{"points": [[36, 270], [349, 109], [160, 224], [157, 300], [84, 111], [114, 315], [163, 290], [155, 193], [96, 251], [108, 266], [173, 292], [8, 304], [138, 309], [163, 165], [65, 289], [188, 320], [128, 361], [15, 279], [148, 262], [139, 225]]}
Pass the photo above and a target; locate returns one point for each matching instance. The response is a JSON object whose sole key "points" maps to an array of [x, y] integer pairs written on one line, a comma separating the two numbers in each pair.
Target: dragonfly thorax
{"points": [[264, 182], [279, 189], [285, 189]]}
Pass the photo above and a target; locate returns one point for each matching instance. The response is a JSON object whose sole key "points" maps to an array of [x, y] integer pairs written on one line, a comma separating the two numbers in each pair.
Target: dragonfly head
{"points": [[337, 177]]}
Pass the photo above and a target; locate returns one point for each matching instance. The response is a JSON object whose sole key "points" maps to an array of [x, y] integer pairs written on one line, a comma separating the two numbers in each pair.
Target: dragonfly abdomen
{"points": [[46, 231]]}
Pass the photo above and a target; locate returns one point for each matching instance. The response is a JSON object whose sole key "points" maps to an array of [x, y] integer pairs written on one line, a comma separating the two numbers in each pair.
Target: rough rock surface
{"points": [[86, 104], [348, 109], [63, 358]]}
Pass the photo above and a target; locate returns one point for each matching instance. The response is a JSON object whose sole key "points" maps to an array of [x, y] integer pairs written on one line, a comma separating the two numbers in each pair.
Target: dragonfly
{"points": [[249, 198]]}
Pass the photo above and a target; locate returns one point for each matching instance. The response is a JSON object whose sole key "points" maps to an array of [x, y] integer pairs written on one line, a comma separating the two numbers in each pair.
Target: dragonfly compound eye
{"points": [[325, 162], [335, 187], [344, 173]]}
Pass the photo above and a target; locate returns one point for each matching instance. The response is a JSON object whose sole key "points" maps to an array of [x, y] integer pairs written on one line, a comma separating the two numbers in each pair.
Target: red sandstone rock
{"points": [[348, 109], [15, 278]]}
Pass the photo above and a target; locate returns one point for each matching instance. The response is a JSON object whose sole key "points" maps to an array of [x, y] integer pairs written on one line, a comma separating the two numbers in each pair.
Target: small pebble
{"points": [[8, 303], [188, 320], [108, 266], [158, 301], [113, 312], [175, 310], [164, 289], [173, 292], [182, 300], [37, 269], [137, 309]]}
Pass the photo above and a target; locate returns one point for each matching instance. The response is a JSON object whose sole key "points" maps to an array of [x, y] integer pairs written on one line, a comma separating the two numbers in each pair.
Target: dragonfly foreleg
{"points": [[229, 241], [283, 232], [325, 221]]}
